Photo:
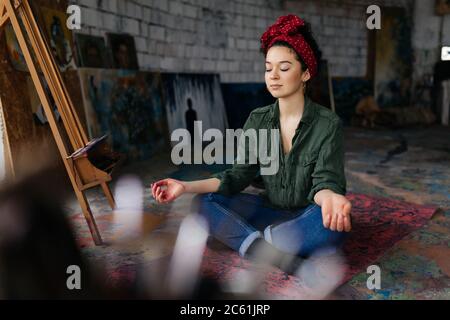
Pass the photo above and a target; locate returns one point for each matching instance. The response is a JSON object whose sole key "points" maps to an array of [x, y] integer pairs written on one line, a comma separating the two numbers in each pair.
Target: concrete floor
{"points": [[407, 164]]}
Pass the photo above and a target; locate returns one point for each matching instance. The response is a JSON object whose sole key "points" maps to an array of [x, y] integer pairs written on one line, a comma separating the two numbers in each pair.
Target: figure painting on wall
{"points": [[442, 7], [200, 93], [60, 37], [123, 51], [91, 51], [191, 117]]}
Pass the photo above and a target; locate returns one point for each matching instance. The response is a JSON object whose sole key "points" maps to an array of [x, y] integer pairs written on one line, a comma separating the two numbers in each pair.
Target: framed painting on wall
{"points": [[442, 7], [123, 51], [91, 51]]}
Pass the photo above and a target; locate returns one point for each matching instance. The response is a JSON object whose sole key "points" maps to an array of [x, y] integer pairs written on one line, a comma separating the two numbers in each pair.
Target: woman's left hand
{"points": [[335, 211]]}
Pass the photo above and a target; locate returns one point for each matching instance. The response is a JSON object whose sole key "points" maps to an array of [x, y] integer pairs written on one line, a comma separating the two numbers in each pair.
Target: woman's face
{"points": [[284, 75]]}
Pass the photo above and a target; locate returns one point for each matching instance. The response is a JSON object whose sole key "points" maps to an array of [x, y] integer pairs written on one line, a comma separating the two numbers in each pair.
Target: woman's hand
{"points": [[167, 190], [335, 210]]}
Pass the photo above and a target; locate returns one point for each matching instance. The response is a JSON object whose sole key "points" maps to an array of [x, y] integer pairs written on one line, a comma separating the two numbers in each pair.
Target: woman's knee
{"points": [[332, 238], [327, 242], [305, 234], [197, 200], [327, 237], [338, 238], [201, 200]]}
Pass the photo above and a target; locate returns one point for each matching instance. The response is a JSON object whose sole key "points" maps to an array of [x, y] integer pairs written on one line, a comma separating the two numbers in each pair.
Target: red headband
{"points": [[287, 29]]}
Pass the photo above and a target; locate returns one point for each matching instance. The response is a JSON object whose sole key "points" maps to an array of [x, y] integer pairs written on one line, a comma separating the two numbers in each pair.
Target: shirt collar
{"points": [[307, 117]]}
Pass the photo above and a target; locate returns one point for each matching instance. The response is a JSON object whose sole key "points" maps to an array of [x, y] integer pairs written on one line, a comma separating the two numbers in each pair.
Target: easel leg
{"points": [[109, 195], [89, 218]]}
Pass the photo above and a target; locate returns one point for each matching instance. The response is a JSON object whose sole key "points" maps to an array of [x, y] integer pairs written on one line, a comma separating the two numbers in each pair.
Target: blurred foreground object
{"points": [[37, 245]]}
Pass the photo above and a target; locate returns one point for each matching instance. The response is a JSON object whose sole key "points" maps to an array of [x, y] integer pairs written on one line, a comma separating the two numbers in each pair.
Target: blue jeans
{"points": [[239, 220]]}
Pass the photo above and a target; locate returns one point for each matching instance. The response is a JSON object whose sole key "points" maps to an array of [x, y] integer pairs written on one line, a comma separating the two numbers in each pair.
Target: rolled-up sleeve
{"points": [[237, 178], [329, 170]]}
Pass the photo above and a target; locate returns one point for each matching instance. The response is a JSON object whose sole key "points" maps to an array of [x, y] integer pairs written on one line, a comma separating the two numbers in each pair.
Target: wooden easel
{"points": [[82, 172]]}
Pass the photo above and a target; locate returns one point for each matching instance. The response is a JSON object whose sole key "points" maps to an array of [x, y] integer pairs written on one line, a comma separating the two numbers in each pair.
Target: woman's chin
{"points": [[276, 94]]}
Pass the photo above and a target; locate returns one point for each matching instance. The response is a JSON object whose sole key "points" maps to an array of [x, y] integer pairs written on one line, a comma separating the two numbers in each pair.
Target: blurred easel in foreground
{"points": [[88, 163]]}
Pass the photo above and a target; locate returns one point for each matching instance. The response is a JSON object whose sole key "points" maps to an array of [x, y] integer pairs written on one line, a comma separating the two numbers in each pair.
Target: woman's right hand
{"points": [[167, 190]]}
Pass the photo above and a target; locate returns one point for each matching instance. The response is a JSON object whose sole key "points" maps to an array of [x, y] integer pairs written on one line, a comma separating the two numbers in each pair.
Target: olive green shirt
{"points": [[315, 162]]}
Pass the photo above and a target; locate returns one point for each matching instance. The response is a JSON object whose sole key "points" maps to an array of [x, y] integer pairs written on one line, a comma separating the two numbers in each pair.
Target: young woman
{"points": [[303, 209]]}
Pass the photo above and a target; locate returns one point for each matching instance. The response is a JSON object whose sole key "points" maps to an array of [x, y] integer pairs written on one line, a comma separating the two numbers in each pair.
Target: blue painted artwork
{"points": [[128, 106]]}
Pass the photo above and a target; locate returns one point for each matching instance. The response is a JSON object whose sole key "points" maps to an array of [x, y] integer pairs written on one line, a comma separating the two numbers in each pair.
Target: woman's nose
{"points": [[274, 75]]}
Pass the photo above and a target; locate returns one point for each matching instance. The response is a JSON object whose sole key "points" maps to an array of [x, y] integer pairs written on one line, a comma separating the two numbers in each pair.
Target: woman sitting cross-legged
{"points": [[303, 209]]}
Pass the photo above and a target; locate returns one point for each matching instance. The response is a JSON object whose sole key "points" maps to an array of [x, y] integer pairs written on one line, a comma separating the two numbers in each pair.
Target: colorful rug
{"points": [[378, 223]]}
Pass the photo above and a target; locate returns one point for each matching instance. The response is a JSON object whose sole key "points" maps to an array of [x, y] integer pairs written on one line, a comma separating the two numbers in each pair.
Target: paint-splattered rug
{"points": [[378, 223]]}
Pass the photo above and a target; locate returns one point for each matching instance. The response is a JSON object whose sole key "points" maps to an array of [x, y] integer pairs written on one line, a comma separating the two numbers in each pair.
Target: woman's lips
{"points": [[275, 86]]}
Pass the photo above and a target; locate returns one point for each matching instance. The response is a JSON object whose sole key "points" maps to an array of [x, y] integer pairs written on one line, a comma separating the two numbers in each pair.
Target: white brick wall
{"points": [[222, 36]]}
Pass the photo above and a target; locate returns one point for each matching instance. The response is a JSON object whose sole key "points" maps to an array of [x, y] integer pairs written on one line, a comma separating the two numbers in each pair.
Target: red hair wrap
{"points": [[287, 28]]}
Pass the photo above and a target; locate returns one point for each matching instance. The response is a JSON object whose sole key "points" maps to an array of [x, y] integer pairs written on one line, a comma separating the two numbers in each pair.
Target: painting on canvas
{"points": [[194, 97], [128, 106], [60, 37]]}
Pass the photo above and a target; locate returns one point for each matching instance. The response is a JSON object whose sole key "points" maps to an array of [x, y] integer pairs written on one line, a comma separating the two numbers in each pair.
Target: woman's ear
{"points": [[306, 75]]}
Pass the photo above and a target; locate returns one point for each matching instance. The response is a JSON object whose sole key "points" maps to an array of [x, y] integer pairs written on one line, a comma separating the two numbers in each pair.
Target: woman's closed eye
{"points": [[284, 70]]}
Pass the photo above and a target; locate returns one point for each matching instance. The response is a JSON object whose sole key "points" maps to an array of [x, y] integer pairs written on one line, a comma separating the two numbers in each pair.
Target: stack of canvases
{"points": [[137, 109]]}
